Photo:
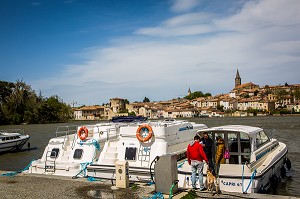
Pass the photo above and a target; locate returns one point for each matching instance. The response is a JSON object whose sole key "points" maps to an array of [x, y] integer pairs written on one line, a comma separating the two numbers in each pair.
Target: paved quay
{"points": [[44, 186]]}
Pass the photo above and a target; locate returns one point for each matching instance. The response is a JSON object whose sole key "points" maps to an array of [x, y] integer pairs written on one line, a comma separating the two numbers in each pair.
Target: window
{"points": [[261, 138], [130, 153], [78, 154], [54, 153], [245, 148]]}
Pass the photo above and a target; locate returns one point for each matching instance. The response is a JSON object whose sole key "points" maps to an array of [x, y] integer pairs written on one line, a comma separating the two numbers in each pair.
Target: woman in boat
{"points": [[220, 153]]}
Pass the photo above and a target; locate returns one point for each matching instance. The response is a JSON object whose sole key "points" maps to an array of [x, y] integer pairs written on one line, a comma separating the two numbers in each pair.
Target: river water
{"points": [[285, 128]]}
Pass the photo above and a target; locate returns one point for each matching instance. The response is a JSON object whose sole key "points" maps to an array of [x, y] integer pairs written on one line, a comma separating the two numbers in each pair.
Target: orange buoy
{"points": [[83, 133], [139, 136]]}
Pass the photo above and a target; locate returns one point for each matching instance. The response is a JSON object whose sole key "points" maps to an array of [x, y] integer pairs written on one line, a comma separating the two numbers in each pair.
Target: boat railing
{"points": [[134, 136], [109, 132], [66, 131]]}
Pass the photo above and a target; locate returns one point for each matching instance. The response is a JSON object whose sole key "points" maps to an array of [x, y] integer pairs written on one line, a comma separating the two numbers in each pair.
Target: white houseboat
{"points": [[140, 144], [74, 147], [12, 140], [256, 161]]}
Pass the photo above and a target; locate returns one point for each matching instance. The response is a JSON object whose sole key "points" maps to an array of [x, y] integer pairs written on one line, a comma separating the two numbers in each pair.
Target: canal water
{"points": [[285, 128]]}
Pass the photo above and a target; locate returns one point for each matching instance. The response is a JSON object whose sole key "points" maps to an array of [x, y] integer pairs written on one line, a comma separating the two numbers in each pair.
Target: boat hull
{"points": [[13, 145]]}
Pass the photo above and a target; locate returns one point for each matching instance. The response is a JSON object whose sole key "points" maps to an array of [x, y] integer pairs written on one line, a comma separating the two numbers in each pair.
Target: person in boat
{"points": [[220, 153], [207, 144], [196, 157]]}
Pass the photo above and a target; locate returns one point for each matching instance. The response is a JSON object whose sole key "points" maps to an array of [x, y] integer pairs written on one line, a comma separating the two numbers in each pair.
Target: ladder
{"points": [[144, 154], [50, 161]]}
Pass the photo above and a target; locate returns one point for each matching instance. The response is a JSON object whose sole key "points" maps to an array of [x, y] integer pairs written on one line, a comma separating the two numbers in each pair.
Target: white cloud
{"points": [[203, 53], [184, 5]]}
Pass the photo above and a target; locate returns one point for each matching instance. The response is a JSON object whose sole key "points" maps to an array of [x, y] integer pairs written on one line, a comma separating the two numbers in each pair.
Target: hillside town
{"points": [[246, 99]]}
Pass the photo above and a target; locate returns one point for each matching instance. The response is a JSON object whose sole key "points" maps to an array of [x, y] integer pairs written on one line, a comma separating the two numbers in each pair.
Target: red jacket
{"points": [[195, 152]]}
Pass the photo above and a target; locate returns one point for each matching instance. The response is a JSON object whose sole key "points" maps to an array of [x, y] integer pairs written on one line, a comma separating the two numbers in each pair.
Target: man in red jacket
{"points": [[196, 157]]}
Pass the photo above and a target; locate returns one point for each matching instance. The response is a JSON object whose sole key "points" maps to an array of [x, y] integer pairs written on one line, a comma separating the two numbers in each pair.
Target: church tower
{"points": [[189, 91], [238, 79]]}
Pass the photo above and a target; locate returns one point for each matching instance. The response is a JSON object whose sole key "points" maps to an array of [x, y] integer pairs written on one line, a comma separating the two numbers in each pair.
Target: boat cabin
{"points": [[240, 141]]}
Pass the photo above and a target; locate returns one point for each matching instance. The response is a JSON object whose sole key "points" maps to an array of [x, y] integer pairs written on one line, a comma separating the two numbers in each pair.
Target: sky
{"points": [[89, 51]]}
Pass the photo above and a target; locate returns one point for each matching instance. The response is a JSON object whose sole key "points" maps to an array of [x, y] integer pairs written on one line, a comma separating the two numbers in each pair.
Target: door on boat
{"points": [[237, 143]]}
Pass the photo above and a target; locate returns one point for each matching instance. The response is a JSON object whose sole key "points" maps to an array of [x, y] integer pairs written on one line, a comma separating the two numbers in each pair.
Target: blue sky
{"points": [[90, 51]]}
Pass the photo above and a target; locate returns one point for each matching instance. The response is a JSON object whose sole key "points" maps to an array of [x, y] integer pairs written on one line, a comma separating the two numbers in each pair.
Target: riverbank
{"points": [[45, 186]]}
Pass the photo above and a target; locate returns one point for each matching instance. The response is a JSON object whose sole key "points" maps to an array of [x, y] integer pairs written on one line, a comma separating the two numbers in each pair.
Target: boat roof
{"points": [[4, 134], [250, 130]]}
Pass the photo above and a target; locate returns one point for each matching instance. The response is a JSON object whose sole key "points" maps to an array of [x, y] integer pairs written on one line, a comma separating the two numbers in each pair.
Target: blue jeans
{"points": [[197, 167]]}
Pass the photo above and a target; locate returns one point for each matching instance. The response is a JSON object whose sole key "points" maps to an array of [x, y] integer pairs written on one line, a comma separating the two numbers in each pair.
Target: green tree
{"points": [[197, 94], [19, 103], [146, 99]]}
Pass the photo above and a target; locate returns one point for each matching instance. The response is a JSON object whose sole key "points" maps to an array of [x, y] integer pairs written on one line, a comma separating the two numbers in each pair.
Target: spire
{"points": [[189, 91], [237, 74], [238, 79]]}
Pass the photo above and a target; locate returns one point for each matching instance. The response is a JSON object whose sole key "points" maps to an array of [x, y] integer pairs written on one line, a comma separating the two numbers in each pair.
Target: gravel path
{"points": [[42, 186]]}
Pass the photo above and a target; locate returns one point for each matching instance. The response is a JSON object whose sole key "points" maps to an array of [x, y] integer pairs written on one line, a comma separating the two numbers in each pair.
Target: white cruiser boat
{"points": [[140, 144], [73, 148], [12, 140], [256, 161]]}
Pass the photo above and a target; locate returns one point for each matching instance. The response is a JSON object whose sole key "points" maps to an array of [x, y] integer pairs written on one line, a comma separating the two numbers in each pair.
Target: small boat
{"points": [[12, 140], [256, 162], [140, 144]]}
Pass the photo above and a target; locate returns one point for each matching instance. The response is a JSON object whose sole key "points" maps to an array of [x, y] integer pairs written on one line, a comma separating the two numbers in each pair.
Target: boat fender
{"points": [[140, 137], [288, 164], [282, 172], [83, 133]]}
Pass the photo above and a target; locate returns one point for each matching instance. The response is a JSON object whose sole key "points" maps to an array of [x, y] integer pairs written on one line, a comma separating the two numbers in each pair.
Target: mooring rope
{"points": [[13, 173], [251, 179]]}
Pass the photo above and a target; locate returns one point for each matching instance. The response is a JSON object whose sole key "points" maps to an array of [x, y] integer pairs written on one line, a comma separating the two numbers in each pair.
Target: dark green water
{"points": [[287, 130]]}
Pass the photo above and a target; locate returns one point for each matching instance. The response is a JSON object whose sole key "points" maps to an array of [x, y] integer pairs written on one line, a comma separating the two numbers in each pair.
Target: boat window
{"points": [[232, 142], [261, 138], [130, 153], [54, 153], [78, 154], [245, 147]]}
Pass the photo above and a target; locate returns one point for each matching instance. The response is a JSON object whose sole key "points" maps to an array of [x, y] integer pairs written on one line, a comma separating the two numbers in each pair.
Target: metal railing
{"points": [[66, 131]]}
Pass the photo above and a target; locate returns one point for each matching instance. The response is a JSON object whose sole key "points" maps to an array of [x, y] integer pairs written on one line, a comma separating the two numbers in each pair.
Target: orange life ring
{"points": [[83, 133], [138, 133]]}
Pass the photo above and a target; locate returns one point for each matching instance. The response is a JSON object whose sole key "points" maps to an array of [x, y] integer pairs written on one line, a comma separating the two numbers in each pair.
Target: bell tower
{"points": [[238, 79]]}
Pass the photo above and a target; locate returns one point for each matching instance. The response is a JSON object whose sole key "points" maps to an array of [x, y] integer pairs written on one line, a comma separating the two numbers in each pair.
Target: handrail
{"points": [[67, 130]]}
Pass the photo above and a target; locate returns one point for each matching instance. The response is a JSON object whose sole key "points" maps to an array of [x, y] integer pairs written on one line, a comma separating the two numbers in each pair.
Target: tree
{"points": [[20, 104], [146, 99], [197, 94]]}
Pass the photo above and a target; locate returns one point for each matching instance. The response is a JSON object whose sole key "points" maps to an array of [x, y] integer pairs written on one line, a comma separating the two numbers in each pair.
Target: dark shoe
{"points": [[204, 189]]}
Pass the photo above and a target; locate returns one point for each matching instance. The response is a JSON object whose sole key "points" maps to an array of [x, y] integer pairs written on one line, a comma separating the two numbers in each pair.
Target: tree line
{"points": [[20, 104]]}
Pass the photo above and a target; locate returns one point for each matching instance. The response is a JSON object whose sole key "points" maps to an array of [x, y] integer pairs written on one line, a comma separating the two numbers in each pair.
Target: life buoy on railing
{"points": [[83, 133], [140, 137]]}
